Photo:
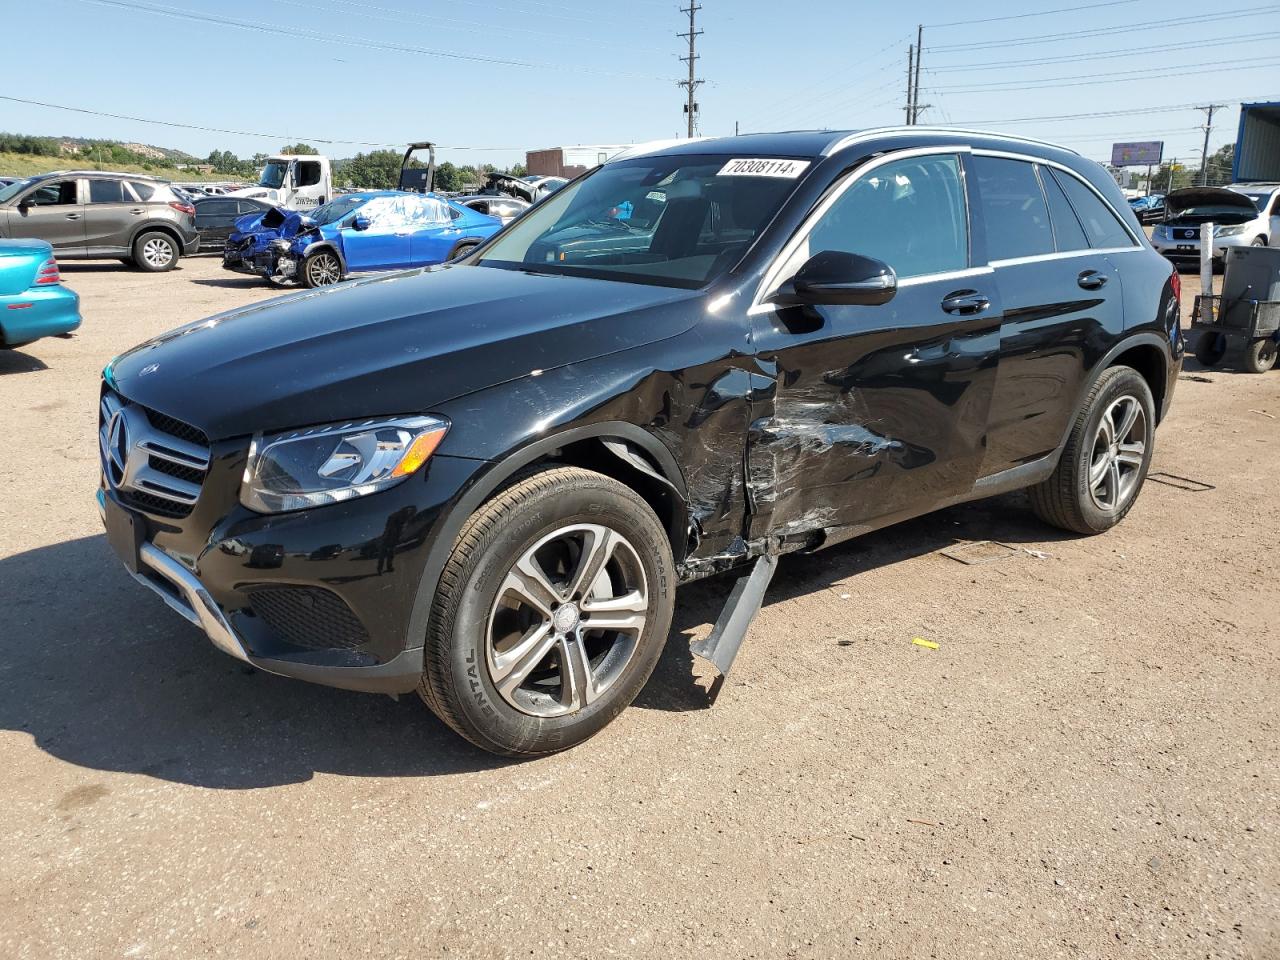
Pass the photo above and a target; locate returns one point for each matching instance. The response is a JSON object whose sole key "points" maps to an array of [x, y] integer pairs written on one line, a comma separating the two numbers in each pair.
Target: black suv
{"points": [[484, 481], [91, 215]]}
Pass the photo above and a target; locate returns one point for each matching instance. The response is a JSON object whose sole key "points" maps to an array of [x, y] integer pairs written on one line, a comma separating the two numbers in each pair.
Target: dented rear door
{"points": [[877, 412]]}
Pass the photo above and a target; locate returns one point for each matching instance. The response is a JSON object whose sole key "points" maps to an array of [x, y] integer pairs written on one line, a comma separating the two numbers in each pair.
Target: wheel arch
{"points": [[623, 451], [157, 226], [1151, 360], [331, 247]]}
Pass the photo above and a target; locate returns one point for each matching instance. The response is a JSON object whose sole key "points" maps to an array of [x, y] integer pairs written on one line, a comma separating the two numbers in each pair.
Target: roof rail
{"points": [[880, 131]]}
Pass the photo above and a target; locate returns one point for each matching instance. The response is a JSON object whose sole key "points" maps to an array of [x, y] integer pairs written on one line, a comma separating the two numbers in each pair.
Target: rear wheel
{"points": [[1260, 356], [155, 252], [1211, 348], [460, 251], [550, 614], [1106, 458], [321, 269]]}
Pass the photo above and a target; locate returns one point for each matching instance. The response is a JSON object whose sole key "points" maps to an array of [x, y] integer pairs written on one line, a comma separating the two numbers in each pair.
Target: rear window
{"points": [[1100, 224], [145, 191], [1013, 208], [106, 191], [1066, 227]]}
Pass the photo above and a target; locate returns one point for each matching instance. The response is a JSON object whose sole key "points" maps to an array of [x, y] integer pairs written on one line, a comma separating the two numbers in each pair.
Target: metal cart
{"points": [[1240, 326]]}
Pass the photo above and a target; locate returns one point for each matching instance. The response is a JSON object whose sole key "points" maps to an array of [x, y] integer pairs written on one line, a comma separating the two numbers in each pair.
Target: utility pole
{"points": [[692, 84], [911, 82], [916, 108], [1208, 128]]}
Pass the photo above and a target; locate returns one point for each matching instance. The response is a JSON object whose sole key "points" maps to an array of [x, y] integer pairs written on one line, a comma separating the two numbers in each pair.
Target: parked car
{"points": [[1243, 215], [5, 181], [91, 215], [505, 209], [33, 301], [1148, 209], [216, 217], [355, 233], [484, 481]]}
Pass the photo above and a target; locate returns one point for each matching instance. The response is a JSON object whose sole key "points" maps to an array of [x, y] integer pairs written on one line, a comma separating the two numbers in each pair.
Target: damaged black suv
{"points": [[484, 481]]}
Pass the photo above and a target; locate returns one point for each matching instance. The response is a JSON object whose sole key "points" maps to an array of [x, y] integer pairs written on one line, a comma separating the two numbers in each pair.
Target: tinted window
{"points": [[145, 191], [909, 213], [217, 208], [308, 173], [1066, 228], [106, 191], [248, 206], [1100, 224], [57, 193], [1013, 208], [479, 206]]}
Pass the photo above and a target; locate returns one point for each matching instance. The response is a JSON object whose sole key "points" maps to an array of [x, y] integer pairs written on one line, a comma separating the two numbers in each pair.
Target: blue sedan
{"points": [[355, 233], [33, 301]]}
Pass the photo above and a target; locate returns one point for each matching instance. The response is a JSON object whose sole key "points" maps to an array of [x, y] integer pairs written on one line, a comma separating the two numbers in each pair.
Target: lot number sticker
{"points": [[790, 169]]}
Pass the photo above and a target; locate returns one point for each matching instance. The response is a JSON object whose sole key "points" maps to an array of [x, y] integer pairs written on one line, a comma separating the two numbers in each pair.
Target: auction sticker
{"points": [[790, 169]]}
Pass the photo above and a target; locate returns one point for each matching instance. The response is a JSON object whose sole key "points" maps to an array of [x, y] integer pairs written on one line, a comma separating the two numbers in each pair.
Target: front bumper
{"points": [[38, 312], [1190, 249], [214, 567]]}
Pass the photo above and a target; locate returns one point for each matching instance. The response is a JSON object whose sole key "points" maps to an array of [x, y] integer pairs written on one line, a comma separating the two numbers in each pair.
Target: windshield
{"points": [[675, 221], [12, 190], [335, 210], [273, 174]]}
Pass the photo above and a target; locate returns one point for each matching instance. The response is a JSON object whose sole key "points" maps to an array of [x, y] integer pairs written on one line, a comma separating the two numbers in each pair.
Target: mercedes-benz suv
{"points": [[484, 481]]}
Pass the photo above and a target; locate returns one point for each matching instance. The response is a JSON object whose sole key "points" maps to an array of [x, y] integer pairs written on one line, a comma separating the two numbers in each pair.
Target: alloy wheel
{"points": [[157, 252], [323, 269], [1119, 448], [567, 620]]}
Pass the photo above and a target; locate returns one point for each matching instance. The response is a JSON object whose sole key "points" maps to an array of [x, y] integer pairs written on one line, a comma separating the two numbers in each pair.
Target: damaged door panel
{"points": [[878, 409]]}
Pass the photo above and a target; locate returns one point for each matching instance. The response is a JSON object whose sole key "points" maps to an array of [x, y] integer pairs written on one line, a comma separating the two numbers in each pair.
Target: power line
{"points": [[1122, 28], [257, 27], [1188, 69], [238, 133], [692, 84], [1171, 108], [1241, 38], [1038, 13]]}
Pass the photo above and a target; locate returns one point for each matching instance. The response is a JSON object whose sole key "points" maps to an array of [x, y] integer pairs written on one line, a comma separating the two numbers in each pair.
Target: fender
{"points": [[326, 245], [503, 470], [1138, 338], [163, 226]]}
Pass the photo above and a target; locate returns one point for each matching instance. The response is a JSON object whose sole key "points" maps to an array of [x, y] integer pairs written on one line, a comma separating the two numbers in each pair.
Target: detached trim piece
{"points": [[721, 645]]}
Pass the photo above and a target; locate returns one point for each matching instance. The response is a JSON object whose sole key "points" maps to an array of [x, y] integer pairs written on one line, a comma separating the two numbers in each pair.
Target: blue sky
{"points": [[604, 71]]}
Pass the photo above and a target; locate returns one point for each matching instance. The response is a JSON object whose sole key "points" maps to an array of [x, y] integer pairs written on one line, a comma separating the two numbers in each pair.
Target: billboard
{"points": [[1146, 153]]}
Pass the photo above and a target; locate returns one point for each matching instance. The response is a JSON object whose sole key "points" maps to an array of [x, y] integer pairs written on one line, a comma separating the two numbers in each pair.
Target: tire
{"points": [[321, 269], [1259, 356], [461, 250], [1068, 499], [1258, 242], [1210, 349], [474, 678], [156, 252]]}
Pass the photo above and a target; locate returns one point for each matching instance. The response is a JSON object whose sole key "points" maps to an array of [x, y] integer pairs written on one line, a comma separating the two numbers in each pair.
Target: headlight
{"points": [[282, 244], [1230, 231], [1160, 232], [322, 465]]}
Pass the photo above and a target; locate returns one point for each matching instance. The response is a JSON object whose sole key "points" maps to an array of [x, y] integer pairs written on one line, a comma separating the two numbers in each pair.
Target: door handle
{"points": [[137, 210], [965, 302], [1092, 280], [73, 216]]}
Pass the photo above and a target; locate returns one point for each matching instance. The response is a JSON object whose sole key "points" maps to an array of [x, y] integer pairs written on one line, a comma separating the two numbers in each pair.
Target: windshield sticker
{"points": [[789, 169]]}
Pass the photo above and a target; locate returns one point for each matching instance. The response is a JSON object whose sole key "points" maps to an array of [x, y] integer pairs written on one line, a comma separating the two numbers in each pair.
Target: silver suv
{"points": [[91, 215]]}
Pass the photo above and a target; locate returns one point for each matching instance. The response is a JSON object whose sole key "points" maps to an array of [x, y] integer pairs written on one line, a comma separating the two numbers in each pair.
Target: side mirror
{"points": [[361, 223], [837, 278]]}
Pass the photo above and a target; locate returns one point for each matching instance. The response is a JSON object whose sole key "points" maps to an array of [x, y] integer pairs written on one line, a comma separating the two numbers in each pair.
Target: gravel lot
{"points": [[1086, 767]]}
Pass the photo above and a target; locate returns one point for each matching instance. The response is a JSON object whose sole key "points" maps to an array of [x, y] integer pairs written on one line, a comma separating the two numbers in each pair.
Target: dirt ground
{"points": [[1086, 767]]}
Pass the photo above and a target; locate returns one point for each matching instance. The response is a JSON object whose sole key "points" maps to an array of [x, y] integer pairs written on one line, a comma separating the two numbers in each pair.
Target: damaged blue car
{"points": [[355, 233]]}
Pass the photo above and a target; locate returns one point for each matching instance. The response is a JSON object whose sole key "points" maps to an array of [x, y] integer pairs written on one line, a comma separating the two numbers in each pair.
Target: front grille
{"points": [[1187, 233], [310, 617], [152, 461]]}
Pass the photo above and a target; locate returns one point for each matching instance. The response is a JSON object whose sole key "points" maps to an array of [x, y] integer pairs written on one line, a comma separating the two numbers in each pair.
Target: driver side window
{"points": [[909, 213], [55, 194]]}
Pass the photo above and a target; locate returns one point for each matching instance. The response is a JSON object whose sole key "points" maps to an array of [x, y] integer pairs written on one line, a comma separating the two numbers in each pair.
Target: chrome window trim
{"points": [[1044, 162], [1061, 255], [983, 271], [870, 134], [770, 279]]}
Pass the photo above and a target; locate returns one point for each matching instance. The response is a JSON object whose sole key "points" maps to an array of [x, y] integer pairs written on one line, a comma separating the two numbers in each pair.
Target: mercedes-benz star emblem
{"points": [[118, 444]]}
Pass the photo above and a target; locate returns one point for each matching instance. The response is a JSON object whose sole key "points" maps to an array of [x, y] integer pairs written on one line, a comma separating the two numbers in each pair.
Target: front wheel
{"points": [[321, 269], [550, 614], [1106, 457]]}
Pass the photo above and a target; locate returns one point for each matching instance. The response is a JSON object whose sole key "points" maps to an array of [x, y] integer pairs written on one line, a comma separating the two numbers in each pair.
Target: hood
{"points": [[19, 261], [1180, 200], [396, 344]]}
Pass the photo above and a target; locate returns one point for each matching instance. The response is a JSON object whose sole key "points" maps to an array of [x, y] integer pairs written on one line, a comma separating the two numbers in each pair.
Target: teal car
{"points": [[33, 301]]}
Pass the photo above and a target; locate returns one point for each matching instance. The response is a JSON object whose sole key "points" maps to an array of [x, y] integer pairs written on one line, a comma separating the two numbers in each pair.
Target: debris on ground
{"points": [[922, 642], [979, 551]]}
